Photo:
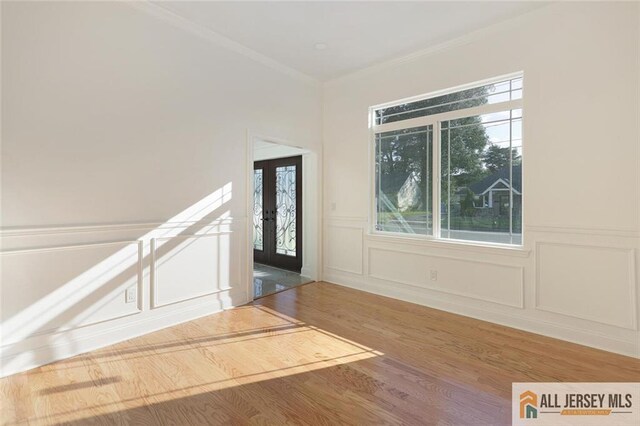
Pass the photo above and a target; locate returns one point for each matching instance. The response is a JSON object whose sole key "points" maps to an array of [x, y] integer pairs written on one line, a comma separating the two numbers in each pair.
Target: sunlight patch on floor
{"points": [[233, 348]]}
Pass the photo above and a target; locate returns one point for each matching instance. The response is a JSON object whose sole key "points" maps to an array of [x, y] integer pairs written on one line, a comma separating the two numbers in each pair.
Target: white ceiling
{"points": [[357, 34]]}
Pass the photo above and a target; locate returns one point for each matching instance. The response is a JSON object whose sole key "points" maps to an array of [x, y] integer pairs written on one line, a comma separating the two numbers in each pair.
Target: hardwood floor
{"points": [[318, 354]]}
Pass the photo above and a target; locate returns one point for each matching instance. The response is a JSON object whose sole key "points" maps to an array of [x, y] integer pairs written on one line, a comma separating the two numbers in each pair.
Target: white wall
{"points": [[576, 277], [124, 165]]}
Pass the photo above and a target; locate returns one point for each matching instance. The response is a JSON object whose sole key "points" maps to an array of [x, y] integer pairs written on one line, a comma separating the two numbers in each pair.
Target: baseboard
{"points": [[47, 349], [583, 336]]}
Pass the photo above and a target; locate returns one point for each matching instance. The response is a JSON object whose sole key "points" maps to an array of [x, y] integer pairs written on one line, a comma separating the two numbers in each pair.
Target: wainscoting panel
{"points": [[190, 266], [73, 286], [585, 282], [502, 284], [343, 251], [65, 288]]}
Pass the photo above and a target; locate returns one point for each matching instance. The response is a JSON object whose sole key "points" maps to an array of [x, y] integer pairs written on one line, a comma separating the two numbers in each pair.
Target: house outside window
{"points": [[458, 150]]}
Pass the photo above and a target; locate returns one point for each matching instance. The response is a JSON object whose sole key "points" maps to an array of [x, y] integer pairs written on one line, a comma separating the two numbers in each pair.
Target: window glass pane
{"points": [[488, 94], [286, 210], [404, 181], [481, 181], [257, 210]]}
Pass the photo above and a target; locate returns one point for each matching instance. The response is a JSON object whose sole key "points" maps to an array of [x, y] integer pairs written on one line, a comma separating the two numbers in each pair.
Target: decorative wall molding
{"points": [[71, 247], [631, 283], [334, 268], [42, 350], [626, 342], [606, 232], [154, 269], [110, 227], [361, 223], [44, 249], [520, 269], [36, 349], [360, 268], [449, 245]]}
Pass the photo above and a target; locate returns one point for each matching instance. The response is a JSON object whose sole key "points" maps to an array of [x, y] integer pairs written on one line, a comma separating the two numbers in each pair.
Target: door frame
{"points": [[311, 211]]}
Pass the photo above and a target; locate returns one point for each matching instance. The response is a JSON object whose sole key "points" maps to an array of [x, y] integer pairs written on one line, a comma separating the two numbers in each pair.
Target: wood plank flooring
{"points": [[319, 354]]}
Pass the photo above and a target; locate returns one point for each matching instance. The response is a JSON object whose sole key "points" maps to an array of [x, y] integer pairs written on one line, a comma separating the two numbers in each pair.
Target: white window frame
{"points": [[435, 120]]}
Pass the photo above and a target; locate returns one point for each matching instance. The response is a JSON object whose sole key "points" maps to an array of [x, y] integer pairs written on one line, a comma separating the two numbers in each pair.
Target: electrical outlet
{"points": [[130, 295], [333, 206], [434, 275]]}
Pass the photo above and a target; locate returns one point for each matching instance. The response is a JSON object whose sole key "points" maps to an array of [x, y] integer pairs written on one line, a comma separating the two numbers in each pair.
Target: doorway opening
{"points": [[277, 216], [283, 215]]}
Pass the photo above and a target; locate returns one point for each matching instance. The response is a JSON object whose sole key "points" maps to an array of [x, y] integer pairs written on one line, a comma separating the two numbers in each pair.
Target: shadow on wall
{"points": [[88, 298]]}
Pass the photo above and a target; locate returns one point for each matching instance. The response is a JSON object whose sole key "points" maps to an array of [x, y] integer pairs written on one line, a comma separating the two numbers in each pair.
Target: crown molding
{"points": [[178, 21]]}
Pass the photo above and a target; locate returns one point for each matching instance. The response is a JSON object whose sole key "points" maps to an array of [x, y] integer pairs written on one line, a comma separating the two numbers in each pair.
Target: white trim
{"points": [[519, 304], [503, 315], [153, 272], [139, 284], [45, 249], [449, 115], [435, 121], [372, 214], [605, 232], [436, 180], [445, 243], [314, 180], [450, 90], [46, 351], [106, 227], [248, 172], [631, 265]]}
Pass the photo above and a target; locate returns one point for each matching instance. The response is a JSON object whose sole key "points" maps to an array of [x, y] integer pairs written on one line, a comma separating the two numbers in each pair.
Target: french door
{"points": [[277, 213]]}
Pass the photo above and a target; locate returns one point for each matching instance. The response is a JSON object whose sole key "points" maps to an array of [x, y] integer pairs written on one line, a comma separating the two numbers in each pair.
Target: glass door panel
{"points": [[286, 212], [258, 217], [277, 218]]}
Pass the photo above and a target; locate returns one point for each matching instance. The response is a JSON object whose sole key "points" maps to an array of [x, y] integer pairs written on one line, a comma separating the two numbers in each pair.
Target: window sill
{"points": [[468, 246]]}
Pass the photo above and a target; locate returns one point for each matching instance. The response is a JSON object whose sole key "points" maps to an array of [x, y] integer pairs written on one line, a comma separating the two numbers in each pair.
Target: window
{"points": [[460, 152]]}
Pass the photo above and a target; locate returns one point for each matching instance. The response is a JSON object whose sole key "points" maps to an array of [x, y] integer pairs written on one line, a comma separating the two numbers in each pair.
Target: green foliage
{"points": [[453, 101], [467, 207], [462, 144], [496, 158], [402, 152]]}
